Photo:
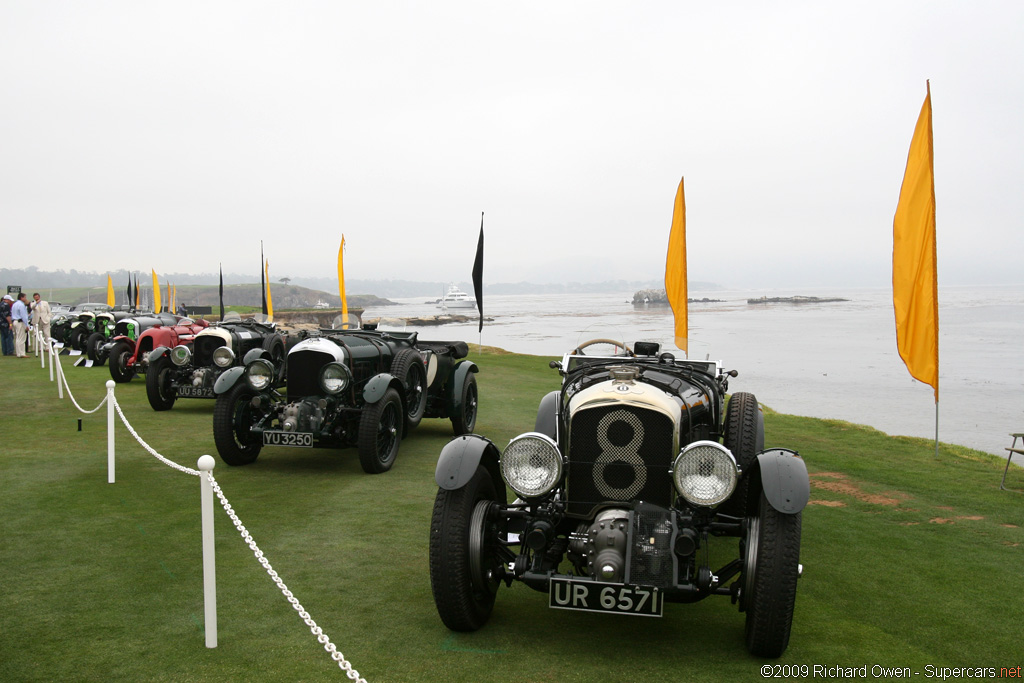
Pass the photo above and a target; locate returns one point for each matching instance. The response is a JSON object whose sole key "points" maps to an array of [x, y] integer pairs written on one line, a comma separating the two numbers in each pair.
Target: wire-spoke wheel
{"points": [[380, 432]]}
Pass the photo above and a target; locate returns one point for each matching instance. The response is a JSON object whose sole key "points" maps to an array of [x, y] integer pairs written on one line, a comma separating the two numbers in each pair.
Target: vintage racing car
{"points": [[190, 371], [637, 474], [363, 388], [136, 337]]}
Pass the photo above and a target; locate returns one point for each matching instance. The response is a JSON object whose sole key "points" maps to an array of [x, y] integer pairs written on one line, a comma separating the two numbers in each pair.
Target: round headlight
{"points": [[90, 325], [223, 356], [705, 473], [334, 378], [260, 374], [181, 355], [531, 464]]}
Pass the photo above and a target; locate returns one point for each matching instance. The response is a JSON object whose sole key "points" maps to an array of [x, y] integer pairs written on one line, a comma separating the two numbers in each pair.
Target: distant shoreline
{"points": [[795, 300]]}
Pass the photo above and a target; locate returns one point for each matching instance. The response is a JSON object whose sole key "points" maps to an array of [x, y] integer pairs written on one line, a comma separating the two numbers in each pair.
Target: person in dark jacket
{"points": [[6, 334]]}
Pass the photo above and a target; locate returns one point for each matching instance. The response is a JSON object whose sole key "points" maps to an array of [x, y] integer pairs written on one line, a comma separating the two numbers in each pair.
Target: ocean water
{"points": [[829, 360]]}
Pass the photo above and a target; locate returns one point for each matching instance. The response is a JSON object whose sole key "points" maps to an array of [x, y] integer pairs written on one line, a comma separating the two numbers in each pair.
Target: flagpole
{"points": [[936, 428]]}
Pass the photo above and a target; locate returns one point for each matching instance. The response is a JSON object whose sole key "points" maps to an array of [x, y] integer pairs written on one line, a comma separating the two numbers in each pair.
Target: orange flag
{"points": [[341, 280], [270, 301], [915, 296], [675, 269], [110, 291], [156, 294]]}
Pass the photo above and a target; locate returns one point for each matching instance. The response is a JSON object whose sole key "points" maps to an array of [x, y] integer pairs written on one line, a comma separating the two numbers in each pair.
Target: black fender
{"points": [[462, 456], [459, 375], [255, 354], [378, 384], [782, 475], [547, 416], [158, 352], [228, 379]]}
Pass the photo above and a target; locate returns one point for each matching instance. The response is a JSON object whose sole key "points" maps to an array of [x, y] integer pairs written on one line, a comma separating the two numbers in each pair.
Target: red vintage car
{"points": [[129, 357]]}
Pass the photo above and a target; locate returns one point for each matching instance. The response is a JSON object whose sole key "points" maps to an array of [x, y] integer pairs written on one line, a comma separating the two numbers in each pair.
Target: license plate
{"points": [[188, 391], [298, 439], [592, 596]]}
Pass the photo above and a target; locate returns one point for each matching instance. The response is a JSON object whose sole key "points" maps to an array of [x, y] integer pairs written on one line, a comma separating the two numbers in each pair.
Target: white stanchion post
{"points": [[39, 350], [110, 431], [49, 350], [205, 465], [60, 380]]}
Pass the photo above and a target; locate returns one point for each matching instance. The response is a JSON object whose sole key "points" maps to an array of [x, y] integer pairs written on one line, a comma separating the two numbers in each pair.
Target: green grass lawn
{"points": [[908, 560]]}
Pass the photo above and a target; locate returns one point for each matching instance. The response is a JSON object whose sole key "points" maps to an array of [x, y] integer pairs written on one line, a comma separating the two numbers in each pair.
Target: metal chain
{"points": [[169, 463], [63, 379], [321, 637]]}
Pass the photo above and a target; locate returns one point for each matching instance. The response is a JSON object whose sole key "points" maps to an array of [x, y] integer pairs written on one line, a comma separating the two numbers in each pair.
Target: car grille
{"points": [[304, 373], [203, 348], [125, 328], [619, 453]]}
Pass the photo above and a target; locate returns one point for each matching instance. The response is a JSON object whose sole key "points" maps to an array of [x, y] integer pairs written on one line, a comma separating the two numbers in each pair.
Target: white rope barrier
{"points": [[63, 379], [150, 449], [209, 486], [321, 637]]}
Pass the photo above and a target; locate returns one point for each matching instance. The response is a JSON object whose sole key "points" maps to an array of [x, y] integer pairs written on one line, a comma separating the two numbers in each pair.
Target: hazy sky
{"points": [[176, 135]]}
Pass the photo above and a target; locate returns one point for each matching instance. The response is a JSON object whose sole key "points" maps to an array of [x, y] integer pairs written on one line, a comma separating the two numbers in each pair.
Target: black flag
{"points": [[263, 280], [222, 292], [478, 274], [135, 303], [128, 292]]}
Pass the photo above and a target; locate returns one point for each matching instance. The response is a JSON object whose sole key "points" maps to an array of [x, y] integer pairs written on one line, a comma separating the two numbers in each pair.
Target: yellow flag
{"points": [[110, 291], [915, 296], [156, 294], [675, 268], [341, 280], [174, 298], [270, 301]]}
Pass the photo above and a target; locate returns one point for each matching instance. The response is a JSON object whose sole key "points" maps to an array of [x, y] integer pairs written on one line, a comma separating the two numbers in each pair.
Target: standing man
{"points": [[6, 336], [41, 316], [21, 325]]}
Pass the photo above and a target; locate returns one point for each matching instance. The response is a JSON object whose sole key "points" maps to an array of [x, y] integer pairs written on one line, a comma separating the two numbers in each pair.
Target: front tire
{"points": [[159, 391], [380, 433], [769, 585], [407, 366], [464, 419], [742, 418], [233, 417], [92, 348], [464, 567], [78, 337], [119, 356], [275, 345]]}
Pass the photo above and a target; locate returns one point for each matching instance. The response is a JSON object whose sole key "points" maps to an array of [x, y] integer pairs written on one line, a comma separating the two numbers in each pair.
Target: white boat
{"points": [[456, 298], [321, 304]]}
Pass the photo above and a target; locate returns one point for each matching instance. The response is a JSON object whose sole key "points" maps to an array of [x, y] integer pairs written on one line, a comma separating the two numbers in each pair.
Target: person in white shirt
{"points": [[19, 313]]}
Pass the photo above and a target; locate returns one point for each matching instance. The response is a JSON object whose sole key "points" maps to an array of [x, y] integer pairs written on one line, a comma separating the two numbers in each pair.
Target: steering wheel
{"points": [[578, 351]]}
